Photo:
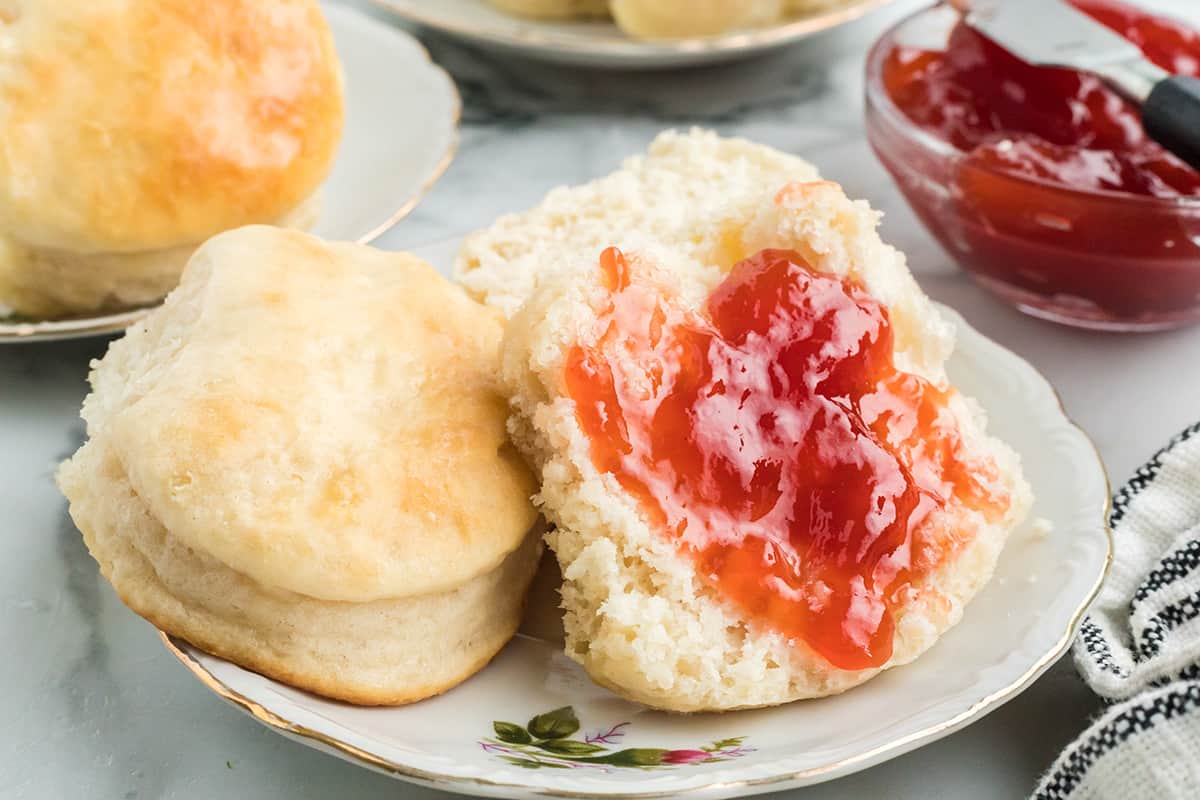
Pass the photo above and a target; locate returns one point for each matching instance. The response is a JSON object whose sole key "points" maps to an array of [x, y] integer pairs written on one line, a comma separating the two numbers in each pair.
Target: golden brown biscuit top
{"points": [[324, 418], [140, 124]]}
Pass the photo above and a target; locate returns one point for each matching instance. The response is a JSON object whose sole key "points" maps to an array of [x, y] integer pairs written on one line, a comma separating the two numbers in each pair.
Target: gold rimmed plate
{"points": [[482, 737], [600, 43], [388, 159]]}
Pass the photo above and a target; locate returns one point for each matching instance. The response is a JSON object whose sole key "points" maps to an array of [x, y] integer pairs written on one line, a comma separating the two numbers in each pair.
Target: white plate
{"points": [[599, 43], [1016, 628], [389, 156]]}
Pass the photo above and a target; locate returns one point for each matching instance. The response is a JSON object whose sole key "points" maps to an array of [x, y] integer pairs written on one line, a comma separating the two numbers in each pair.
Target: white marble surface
{"points": [[93, 707]]}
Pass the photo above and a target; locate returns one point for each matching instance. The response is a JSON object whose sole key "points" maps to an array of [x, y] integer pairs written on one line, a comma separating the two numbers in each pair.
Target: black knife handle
{"points": [[1171, 115]]}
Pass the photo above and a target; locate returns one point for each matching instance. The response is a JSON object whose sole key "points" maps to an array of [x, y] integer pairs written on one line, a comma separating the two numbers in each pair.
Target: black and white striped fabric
{"points": [[1139, 646]]}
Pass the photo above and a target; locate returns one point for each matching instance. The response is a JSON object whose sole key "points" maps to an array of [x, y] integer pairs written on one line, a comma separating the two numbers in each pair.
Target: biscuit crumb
{"points": [[637, 616]]}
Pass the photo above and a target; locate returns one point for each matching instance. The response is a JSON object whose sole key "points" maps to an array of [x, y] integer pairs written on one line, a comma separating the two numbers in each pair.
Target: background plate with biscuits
{"points": [[387, 159], [600, 43], [532, 722]]}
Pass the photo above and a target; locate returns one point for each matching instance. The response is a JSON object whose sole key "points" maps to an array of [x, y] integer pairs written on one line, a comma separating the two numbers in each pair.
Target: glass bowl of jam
{"points": [[1041, 182]]}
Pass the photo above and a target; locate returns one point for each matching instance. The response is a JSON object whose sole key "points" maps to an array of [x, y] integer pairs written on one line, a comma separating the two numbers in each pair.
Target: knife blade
{"points": [[1054, 33]]}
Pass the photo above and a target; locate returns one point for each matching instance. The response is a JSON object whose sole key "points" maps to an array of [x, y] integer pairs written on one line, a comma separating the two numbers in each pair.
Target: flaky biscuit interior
{"points": [[637, 617]]}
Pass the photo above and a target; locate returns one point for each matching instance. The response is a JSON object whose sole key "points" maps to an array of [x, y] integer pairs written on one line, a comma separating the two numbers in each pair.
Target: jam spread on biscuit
{"points": [[773, 438], [1049, 123]]}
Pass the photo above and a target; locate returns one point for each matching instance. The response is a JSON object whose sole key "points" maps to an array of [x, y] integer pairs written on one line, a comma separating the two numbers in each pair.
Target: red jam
{"points": [[1050, 192], [774, 439], [1054, 124]]}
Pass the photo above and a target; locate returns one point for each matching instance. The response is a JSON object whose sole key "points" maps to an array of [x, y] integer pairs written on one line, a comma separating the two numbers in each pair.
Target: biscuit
{"points": [[637, 616], [299, 463], [554, 9], [214, 115], [669, 19], [679, 19]]}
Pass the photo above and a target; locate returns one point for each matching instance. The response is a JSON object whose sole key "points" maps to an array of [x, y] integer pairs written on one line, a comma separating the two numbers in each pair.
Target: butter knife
{"points": [[1054, 33]]}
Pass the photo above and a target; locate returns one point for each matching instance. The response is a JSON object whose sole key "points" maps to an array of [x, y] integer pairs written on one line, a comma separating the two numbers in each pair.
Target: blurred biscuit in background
{"points": [[134, 131]]}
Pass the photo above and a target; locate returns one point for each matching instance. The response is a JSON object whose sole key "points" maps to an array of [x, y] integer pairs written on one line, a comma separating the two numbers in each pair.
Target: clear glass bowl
{"points": [[1093, 259]]}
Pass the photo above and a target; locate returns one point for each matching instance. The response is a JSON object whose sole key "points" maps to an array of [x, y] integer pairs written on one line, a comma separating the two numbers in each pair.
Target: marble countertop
{"points": [[94, 707]]}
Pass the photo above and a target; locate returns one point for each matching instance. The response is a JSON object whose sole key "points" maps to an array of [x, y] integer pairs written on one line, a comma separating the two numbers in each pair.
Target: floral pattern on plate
{"points": [[548, 741]]}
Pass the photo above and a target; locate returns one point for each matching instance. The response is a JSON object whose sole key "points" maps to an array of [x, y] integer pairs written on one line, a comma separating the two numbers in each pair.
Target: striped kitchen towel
{"points": [[1139, 645]]}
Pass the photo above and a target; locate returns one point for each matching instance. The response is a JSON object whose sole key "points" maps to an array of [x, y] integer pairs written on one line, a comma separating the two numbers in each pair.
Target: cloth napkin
{"points": [[1139, 645]]}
